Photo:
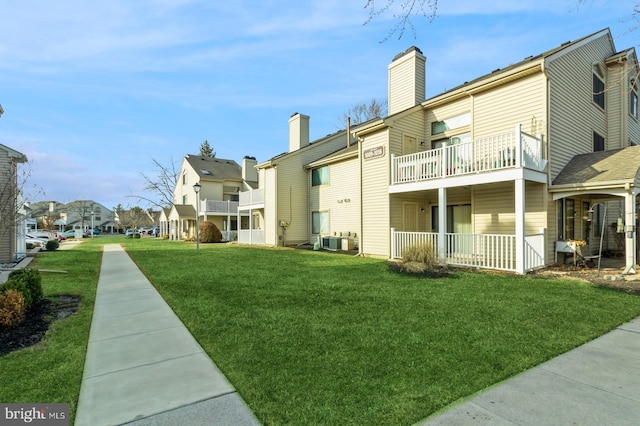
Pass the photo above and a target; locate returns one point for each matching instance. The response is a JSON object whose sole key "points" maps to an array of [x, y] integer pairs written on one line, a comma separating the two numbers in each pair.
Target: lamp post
{"points": [[92, 215], [196, 189]]}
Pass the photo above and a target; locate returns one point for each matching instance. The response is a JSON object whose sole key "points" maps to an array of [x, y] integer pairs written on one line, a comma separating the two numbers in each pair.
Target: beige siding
{"points": [[7, 233], [616, 110], [292, 190], [412, 125], [375, 203], [268, 182], [520, 102], [494, 209], [406, 82], [574, 115], [341, 198]]}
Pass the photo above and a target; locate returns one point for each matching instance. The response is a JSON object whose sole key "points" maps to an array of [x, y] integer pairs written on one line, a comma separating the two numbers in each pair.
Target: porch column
{"points": [[250, 226], [629, 234], [519, 219], [442, 221]]}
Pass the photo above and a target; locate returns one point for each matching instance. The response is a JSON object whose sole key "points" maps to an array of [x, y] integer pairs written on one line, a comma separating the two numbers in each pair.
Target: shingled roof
{"points": [[211, 168], [597, 168]]}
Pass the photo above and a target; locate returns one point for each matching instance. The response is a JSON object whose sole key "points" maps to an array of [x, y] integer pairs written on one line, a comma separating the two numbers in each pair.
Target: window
{"points": [[451, 123], [320, 176], [570, 215], [633, 99], [598, 86], [319, 222], [184, 199], [184, 179], [598, 142]]}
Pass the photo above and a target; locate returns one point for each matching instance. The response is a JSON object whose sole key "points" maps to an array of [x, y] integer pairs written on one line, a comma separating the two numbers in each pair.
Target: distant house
{"points": [[220, 181], [12, 213], [79, 214], [499, 173]]}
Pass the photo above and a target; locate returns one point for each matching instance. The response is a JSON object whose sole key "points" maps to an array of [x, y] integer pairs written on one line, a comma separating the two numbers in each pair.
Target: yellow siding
{"points": [[616, 110], [341, 198], [444, 112], [293, 188], [494, 208], [500, 110], [412, 125], [574, 116], [375, 203], [268, 182]]}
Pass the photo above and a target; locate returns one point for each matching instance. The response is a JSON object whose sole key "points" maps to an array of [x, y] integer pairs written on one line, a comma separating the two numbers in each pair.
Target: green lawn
{"points": [[322, 338]]}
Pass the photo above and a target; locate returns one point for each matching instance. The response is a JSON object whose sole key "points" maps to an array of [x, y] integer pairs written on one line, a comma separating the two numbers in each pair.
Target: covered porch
{"points": [[251, 217], [608, 182]]}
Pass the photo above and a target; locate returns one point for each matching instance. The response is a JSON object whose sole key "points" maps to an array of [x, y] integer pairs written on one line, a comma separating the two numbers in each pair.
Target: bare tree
{"points": [[206, 150], [161, 185], [82, 209], [361, 112], [402, 12]]}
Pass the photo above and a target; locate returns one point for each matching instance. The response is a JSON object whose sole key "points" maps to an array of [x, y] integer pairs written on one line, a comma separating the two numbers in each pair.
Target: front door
{"points": [[409, 145], [410, 215]]}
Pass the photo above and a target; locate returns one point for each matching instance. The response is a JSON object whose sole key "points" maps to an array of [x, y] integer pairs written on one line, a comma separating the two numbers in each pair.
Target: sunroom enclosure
{"points": [[505, 170]]}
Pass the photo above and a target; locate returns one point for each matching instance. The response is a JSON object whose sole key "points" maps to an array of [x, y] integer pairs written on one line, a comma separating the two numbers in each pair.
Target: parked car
{"points": [[71, 233], [96, 231], [145, 230], [132, 234], [35, 242], [42, 235]]}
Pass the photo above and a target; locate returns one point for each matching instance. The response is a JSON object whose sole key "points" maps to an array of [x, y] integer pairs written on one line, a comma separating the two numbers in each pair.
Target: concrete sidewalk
{"points": [[595, 384], [142, 365]]}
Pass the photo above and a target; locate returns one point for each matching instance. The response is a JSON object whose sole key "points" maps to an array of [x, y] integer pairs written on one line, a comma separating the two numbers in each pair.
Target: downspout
{"points": [[360, 253]]}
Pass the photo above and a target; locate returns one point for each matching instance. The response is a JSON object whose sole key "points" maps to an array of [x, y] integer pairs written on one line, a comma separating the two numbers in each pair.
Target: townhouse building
{"points": [[502, 172]]}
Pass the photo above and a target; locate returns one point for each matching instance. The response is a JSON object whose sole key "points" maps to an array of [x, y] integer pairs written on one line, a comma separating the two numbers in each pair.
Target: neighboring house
{"points": [[12, 213], [497, 173], [220, 183], [79, 214]]}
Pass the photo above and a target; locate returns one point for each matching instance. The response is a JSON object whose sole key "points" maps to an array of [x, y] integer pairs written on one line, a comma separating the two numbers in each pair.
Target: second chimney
{"points": [[298, 131]]}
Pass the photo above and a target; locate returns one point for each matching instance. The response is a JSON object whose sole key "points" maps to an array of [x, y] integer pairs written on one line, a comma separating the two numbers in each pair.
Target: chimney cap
{"points": [[294, 114], [409, 50], [248, 157]]}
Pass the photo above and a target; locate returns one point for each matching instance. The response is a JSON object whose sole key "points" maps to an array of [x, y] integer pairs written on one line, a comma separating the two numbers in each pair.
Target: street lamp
{"points": [[196, 189], [92, 215]]}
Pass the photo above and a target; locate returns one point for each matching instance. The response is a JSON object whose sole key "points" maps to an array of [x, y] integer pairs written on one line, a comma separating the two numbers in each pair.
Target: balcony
{"points": [[509, 150], [212, 208], [252, 199]]}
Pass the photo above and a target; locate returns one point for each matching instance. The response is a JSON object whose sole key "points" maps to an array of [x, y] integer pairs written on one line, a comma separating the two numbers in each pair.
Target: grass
{"points": [[51, 371], [321, 338]]}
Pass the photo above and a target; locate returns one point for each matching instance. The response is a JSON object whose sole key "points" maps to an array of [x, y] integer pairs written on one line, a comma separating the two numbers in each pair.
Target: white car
{"points": [[41, 235], [36, 242]]}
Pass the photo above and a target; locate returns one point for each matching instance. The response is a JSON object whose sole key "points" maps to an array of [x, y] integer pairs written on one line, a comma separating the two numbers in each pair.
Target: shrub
{"points": [[423, 254], [32, 282], [209, 233], [11, 308], [52, 245]]}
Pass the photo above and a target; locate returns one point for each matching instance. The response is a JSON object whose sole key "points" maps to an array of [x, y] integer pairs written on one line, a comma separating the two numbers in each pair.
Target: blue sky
{"points": [[94, 91]]}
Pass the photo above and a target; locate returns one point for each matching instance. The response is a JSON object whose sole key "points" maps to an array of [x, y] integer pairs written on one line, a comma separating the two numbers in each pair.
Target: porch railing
{"points": [[251, 236], [497, 152], [249, 198], [487, 251]]}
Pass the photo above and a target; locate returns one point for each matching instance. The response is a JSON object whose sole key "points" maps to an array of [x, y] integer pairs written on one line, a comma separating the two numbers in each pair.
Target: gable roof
{"points": [[211, 168], [20, 157], [614, 167], [185, 210]]}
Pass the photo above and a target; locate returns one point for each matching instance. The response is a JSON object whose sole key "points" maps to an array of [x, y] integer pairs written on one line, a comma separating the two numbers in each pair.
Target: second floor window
{"points": [[598, 87], [598, 142], [633, 99], [320, 176]]}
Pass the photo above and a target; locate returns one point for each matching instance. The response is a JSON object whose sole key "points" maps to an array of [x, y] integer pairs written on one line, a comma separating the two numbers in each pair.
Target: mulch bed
{"points": [[36, 323]]}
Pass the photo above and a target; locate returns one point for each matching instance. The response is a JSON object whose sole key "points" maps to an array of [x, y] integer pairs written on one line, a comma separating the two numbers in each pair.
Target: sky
{"points": [[94, 92]]}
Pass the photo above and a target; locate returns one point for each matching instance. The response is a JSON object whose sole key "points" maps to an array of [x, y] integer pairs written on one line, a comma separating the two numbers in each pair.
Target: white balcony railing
{"points": [[251, 198], [488, 251], [212, 207], [507, 150]]}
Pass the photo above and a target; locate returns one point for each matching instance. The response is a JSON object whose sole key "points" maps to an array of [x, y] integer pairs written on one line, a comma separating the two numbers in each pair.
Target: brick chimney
{"points": [[298, 131], [407, 76], [249, 172]]}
